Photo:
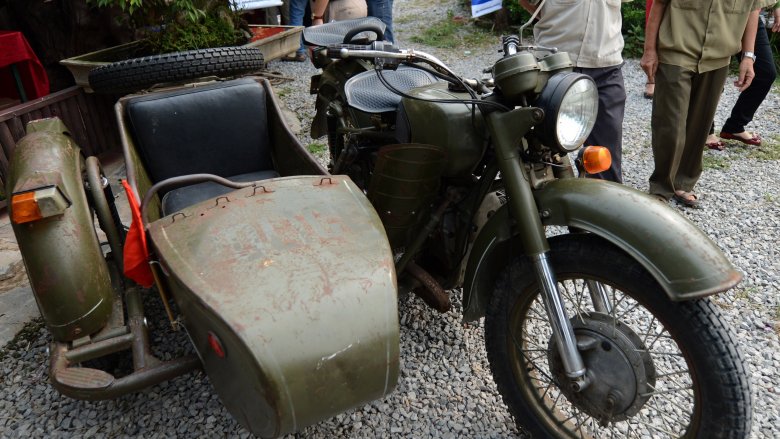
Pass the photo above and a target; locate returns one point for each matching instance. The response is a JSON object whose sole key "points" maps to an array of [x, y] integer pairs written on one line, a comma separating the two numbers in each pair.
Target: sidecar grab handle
{"points": [[184, 180]]}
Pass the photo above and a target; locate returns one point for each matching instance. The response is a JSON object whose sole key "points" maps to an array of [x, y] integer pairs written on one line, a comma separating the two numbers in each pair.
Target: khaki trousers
{"points": [[684, 107]]}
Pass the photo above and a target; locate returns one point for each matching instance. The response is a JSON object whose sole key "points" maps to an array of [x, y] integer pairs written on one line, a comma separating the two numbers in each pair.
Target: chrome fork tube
{"points": [[506, 129], [598, 294], [561, 326]]}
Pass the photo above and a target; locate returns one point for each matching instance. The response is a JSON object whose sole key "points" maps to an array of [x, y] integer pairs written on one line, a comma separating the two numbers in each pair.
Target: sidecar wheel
{"points": [[658, 368], [135, 74]]}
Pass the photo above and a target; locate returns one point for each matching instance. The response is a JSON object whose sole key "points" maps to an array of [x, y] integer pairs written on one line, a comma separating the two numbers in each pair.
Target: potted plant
{"points": [[176, 37]]}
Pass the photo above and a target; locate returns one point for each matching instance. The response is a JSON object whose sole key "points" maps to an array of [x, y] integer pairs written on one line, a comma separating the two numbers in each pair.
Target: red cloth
{"points": [[136, 253], [15, 50]]}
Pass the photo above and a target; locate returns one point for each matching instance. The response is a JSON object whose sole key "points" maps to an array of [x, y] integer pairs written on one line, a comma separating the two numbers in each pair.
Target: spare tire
{"points": [[136, 74]]}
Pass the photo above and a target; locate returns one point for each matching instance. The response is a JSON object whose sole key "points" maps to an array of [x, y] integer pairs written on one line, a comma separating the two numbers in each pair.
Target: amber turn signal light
{"points": [[38, 204], [596, 159], [24, 208]]}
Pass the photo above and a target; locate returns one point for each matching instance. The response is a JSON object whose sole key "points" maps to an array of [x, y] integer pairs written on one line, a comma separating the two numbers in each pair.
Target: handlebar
{"points": [[386, 54], [374, 50]]}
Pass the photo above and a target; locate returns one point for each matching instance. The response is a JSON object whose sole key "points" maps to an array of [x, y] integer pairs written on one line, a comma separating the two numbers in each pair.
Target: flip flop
{"points": [[755, 140], [688, 199], [718, 145]]}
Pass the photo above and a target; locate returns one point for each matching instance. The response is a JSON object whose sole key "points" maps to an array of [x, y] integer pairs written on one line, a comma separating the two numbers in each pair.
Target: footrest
{"points": [[84, 378]]}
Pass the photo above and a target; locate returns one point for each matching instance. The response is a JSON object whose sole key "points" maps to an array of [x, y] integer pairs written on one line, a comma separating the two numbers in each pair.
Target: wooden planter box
{"points": [[274, 42]]}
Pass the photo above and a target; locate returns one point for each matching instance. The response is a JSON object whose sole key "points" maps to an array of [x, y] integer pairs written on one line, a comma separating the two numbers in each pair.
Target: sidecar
{"points": [[282, 275]]}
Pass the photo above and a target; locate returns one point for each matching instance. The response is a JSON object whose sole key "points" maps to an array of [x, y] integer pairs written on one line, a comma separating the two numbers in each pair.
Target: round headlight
{"points": [[570, 102]]}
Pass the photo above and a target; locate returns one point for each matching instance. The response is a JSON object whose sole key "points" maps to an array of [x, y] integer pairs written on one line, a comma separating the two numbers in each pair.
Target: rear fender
{"points": [[684, 261], [64, 261]]}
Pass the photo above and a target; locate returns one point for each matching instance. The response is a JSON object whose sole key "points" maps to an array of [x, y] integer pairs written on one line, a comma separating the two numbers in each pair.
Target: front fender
{"points": [[685, 262]]}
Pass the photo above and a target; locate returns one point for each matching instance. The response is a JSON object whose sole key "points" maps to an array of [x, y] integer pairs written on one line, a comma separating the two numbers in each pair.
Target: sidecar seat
{"points": [[219, 129]]}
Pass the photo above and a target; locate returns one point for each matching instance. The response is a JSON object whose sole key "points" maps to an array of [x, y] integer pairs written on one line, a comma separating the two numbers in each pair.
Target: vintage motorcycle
{"points": [[285, 276], [599, 327]]}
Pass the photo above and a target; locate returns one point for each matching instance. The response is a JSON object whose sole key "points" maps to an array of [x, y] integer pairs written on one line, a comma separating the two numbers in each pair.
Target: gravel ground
{"points": [[445, 388]]}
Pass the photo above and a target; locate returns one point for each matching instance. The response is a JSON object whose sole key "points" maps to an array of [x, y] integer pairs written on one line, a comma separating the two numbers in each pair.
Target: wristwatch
{"points": [[750, 55], [320, 17]]}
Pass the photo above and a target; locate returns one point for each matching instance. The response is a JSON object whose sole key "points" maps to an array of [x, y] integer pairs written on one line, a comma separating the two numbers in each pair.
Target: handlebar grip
{"points": [[334, 50], [371, 27]]}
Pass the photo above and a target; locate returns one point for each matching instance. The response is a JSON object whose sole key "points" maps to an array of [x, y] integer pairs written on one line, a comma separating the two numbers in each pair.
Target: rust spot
{"points": [[80, 296]]}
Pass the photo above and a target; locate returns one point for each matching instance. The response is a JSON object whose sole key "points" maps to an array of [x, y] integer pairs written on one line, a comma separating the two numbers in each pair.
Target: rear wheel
{"points": [[658, 369]]}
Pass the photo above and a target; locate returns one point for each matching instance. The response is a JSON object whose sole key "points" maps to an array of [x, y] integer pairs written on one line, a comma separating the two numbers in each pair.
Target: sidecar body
{"points": [[283, 280]]}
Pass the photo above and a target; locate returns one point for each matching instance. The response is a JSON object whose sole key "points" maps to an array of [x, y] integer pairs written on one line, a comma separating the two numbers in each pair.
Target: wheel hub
{"points": [[620, 370]]}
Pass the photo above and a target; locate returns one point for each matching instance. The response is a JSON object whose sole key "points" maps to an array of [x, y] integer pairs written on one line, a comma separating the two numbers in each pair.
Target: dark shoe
{"points": [[649, 90], [688, 199], [295, 57], [755, 140]]}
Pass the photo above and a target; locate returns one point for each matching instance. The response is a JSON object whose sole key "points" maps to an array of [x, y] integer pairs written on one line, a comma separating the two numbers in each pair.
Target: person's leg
{"points": [[750, 99], [383, 10], [608, 130], [297, 8], [712, 140], [701, 112], [649, 86], [670, 109]]}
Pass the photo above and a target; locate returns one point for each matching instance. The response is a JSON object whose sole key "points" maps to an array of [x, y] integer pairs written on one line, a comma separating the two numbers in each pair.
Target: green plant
{"points": [[176, 25], [452, 32], [633, 29], [711, 161], [316, 148], [769, 149], [774, 44]]}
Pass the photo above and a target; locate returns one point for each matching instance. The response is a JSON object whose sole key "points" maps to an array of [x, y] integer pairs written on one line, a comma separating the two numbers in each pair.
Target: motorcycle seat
{"points": [[334, 32], [219, 129]]}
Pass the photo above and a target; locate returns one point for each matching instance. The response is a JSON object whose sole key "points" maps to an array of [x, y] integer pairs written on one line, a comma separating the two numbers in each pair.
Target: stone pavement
{"points": [[17, 302]]}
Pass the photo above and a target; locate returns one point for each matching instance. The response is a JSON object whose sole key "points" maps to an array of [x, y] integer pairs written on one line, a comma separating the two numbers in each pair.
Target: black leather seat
{"points": [[219, 129]]}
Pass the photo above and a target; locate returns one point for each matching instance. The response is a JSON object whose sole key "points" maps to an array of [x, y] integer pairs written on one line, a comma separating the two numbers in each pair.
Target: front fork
{"points": [[506, 130]]}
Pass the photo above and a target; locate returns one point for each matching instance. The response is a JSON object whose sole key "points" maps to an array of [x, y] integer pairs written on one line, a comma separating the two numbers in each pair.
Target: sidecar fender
{"points": [[685, 262], [61, 253]]}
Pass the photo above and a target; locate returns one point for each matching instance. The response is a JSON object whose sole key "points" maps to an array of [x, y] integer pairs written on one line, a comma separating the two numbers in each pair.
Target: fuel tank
{"points": [[288, 293], [460, 132]]}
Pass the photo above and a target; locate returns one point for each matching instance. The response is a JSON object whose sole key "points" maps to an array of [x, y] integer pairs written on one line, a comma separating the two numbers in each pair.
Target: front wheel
{"points": [[657, 368]]}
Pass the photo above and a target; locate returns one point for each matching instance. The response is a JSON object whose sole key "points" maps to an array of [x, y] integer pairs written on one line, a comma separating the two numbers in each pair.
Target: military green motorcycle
{"points": [[595, 296]]}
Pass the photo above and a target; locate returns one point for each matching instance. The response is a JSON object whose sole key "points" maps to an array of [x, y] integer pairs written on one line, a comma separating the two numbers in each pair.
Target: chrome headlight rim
{"points": [[550, 101]]}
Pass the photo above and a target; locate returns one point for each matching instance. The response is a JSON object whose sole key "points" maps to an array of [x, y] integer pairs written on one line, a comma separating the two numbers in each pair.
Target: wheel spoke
{"points": [[625, 312], [647, 334], [549, 386], [653, 427], [654, 402], [666, 391], [669, 374], [579, 422], [669, 354]]}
